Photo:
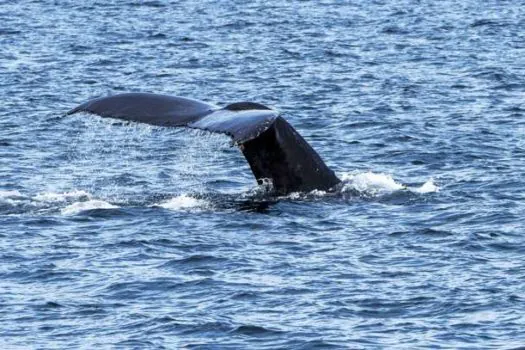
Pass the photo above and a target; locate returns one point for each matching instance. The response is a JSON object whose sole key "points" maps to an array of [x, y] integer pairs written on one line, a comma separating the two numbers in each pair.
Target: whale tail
{"points": [[272, 147]]}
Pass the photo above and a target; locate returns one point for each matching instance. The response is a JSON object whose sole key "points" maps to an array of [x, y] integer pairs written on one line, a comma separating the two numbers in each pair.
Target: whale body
{"points": [[273, 148]]}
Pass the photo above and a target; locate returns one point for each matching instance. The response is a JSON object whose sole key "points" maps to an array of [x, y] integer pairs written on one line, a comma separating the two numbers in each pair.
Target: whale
{"points": [[275, 151]]}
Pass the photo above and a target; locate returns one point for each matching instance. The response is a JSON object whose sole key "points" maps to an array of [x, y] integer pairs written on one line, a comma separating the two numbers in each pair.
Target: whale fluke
{"points": [[146, 108], [272, 147]]}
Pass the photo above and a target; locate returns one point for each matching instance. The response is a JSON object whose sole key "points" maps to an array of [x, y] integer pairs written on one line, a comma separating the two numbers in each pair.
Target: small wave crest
{"points": [[427, 187], [93, 204]]}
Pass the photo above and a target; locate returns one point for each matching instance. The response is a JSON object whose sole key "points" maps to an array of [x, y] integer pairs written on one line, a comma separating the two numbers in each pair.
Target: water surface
{"points": [[131, 236]]}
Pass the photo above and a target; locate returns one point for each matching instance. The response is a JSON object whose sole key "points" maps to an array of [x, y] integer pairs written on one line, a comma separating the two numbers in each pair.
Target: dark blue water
{"points": [[131, 236]]}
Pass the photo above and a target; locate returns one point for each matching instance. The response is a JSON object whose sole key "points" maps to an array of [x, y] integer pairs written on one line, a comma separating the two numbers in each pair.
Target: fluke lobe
{"points": [[273, 148]]}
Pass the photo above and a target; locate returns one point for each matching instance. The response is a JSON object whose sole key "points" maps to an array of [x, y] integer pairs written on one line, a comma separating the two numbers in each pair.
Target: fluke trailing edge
{"points": [[272, 147]]}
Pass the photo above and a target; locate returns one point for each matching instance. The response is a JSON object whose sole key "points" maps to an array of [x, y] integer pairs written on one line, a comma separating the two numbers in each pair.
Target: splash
{"points": [[184, 202], [377, 184], [370, 183], [363, 184], [302, 195]]}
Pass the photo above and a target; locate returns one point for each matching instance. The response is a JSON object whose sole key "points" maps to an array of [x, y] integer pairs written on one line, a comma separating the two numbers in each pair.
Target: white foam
{"points": [[427, 187], [294, 195], [13, 198], [10, 194], [61, 197], [78, 207], [184, 202], [302, 195], [317, 193], [370, 183], [375, 184]]}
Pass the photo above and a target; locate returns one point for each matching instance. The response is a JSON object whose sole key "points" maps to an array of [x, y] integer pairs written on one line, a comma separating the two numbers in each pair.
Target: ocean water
{"points": [[128, 236]]}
